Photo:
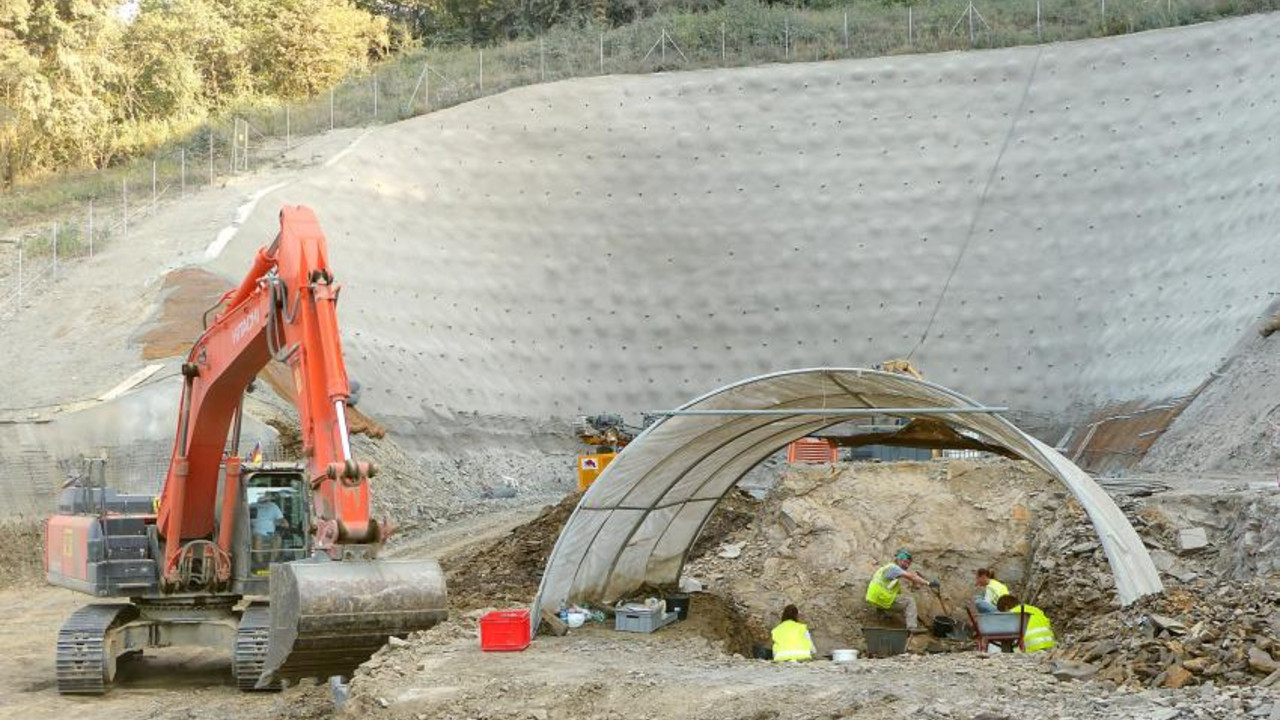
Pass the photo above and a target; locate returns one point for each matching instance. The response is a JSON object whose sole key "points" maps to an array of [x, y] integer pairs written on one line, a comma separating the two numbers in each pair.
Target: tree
{"points": [[54, 64], [300, 47]]}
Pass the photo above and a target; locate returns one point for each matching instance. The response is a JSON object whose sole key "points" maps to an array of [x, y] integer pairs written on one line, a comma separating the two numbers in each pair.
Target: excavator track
{"points": [[251, 647], [83, 663]]}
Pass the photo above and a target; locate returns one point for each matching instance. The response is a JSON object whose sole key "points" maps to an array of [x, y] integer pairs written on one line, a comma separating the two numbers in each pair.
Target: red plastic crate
{"points": [[504, 630]]}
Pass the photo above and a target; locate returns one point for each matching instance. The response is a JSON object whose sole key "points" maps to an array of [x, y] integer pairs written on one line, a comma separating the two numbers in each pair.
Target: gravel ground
{"points": [[599, 674]]}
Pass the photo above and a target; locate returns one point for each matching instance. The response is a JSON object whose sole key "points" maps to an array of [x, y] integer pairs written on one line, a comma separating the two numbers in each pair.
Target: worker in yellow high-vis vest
{"points": [[791, 639], [884, 590], [992, 591], [1039, 632]]}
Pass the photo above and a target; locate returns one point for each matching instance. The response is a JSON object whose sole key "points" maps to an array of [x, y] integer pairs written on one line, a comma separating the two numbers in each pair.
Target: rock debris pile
{"points": [[1222, 633]]}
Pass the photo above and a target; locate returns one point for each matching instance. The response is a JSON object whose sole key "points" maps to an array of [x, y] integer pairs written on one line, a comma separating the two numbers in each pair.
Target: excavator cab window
{"points": [[277, 506]]}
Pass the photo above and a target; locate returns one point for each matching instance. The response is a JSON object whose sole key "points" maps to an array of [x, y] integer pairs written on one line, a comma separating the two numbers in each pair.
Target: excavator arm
{"points": [[284, 309]]}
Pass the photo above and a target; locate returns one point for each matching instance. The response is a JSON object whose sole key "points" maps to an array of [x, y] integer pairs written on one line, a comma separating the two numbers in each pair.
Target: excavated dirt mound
{"points": [[723, 621], [508, 570], [822, 532], [21, 551]]}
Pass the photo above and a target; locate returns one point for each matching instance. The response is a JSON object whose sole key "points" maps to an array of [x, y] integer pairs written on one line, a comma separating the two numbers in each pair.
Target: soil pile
{"points": [[507, 571], [1199, 633], [22, 556]]}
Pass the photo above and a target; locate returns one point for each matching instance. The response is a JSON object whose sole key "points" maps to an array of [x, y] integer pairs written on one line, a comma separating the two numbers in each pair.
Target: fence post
{"points": [[1039, 37], [55, 248], [330, 109], [482, 71], [911, 26], [426, 85], [846, 29], [153, 187], [235, 144], [722, 43], [375, 96], [601, 53], [1104, 11], [182, 153], [542, 60], [786, 37], [90, 227]]}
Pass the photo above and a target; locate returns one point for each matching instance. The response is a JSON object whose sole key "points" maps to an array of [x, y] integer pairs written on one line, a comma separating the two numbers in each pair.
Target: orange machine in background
{"points": [[607, 434], [590, 467]]}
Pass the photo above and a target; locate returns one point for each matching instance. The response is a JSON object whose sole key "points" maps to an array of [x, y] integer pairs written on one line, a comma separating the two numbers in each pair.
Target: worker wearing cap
{"points": [[883, 592], [791, 639], [992, 591], [1039, 633]]}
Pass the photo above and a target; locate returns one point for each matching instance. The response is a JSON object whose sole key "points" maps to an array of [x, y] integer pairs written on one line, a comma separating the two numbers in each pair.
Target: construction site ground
{"points": [[753, 556]]}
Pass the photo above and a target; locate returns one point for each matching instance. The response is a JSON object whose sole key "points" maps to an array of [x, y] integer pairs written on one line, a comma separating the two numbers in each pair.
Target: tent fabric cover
{"points": [[635, 525]]}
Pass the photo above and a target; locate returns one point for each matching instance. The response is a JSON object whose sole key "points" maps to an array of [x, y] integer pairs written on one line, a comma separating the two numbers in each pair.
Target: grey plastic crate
{"points": [[641, 621]]}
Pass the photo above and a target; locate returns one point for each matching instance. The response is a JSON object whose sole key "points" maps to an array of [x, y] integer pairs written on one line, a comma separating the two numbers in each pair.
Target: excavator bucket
{"points": [[328, 617]]}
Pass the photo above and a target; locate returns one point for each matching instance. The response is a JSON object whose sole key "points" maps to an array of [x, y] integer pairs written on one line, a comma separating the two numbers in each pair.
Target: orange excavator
{"points": [[274, 562]]}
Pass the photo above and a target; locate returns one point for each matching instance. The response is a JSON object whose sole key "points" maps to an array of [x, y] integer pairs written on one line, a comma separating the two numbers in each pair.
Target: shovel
{"points": [[944, 624], [937, 592]]}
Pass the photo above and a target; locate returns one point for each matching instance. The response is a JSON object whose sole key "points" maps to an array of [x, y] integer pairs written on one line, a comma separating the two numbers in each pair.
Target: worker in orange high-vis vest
{"points": [[1039, 633], [791, 639]]}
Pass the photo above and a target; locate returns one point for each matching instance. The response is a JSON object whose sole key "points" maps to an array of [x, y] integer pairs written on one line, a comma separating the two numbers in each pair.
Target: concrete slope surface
{"points": [[1065, 226]]}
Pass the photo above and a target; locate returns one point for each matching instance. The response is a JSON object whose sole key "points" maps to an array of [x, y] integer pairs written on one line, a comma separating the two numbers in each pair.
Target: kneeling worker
{"points": [[992, 591], [885, 586], [1039, 633], [791, 640]]}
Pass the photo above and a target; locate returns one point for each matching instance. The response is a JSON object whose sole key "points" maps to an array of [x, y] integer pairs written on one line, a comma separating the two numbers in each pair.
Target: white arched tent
{"points": [[635, 525]]}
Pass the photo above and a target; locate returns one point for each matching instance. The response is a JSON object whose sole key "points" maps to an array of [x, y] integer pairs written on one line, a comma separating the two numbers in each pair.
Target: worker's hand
{"points": [[935, 584]]}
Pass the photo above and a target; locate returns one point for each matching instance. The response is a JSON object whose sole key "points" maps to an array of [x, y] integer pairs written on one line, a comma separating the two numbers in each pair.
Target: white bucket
{"points": [[575, 619], [844, 656]]}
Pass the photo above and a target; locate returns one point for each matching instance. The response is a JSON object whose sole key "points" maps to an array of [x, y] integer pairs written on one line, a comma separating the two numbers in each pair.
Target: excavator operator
{"points": [[267, 520]]}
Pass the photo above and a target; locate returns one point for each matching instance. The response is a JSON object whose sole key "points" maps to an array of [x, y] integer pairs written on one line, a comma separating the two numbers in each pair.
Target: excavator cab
{"points": [[275, 520]]}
